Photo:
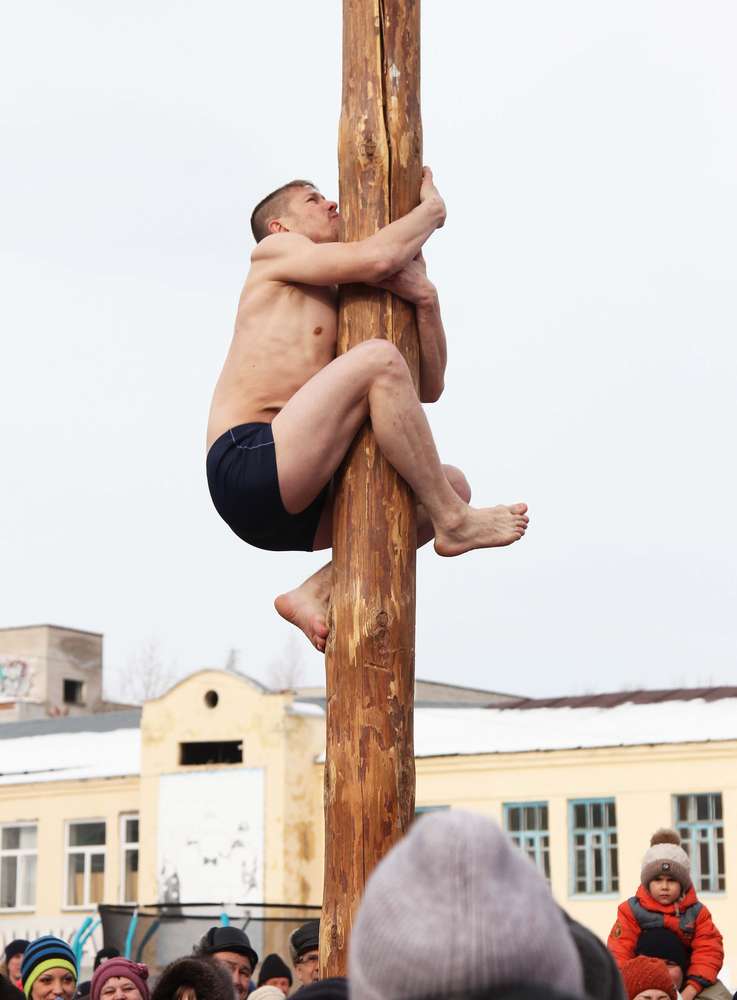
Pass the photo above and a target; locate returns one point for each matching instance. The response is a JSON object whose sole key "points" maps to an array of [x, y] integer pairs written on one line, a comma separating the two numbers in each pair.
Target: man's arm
{"points": [[412, 284], [295, 258]]}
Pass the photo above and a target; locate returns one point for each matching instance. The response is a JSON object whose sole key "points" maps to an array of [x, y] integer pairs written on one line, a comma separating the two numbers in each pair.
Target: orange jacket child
{"points": [[667, 898]]}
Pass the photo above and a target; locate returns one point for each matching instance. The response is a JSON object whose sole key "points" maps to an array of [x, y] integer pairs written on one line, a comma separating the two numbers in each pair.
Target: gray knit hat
{"points": [[453, 908], [666, 857]]}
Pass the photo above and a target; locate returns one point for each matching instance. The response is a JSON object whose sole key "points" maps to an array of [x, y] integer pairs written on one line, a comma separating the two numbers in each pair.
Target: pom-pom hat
{"points": [[666, 857], [641, 973], [135, 971], [43, 954]]}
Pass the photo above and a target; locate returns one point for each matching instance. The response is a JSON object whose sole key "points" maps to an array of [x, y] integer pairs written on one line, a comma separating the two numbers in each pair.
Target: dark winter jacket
{"points": [[206, 976], [8, 991], [687, 917]]}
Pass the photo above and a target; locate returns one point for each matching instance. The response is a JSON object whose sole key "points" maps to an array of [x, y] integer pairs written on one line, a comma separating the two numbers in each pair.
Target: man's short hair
{"points": [[272, 206]]}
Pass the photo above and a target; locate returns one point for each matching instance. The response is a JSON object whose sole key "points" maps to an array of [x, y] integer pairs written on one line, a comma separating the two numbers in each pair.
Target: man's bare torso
{"points": [[284, 334]]}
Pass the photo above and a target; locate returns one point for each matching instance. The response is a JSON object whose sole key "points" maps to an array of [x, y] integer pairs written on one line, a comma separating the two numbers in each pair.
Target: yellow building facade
{"points": [[213, 793]]}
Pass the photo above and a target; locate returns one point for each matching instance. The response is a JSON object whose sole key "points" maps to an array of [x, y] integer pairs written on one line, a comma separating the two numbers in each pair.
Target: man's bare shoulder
{"points": [[278, 245]]}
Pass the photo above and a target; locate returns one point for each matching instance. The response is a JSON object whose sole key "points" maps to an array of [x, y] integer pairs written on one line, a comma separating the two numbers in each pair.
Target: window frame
{"points": [[541, 851], [19, 853], [606, 832], [87, 851], [425, 810], [692, 842], [127, 846], [80, 689]]}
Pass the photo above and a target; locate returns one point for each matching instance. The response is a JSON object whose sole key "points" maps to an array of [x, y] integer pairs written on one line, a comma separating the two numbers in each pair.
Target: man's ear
{"points": [[275, 226]]}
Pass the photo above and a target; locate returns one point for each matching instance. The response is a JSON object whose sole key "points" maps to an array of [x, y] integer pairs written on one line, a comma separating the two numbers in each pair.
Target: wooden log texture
{"points": [[370, 771]]}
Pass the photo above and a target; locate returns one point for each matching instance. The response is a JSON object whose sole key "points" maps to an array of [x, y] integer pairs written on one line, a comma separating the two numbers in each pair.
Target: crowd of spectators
{"points": [[453, 912]]}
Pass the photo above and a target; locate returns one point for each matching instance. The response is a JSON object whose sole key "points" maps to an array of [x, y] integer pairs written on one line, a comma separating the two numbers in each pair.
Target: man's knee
{"points": [[458, 481], [383, 358]]}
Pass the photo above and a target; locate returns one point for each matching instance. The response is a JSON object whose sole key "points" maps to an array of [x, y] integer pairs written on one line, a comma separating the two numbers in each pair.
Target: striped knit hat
{"points": [[42, 954]]}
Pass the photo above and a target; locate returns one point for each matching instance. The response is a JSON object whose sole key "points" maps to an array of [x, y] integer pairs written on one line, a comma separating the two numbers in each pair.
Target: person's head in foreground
{"points": [[14, 951], [120, 979], [332, 988], [648, 979], [231, 947], [455, 910], [601, 978], [296, 207], [304, 948], [659, 942], [49, 970], [274, 971], [194, 979], [666, 869], [266, 993]]}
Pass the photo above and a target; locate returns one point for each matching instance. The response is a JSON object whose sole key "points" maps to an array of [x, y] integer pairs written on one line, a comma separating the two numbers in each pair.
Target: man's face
{"points": [[14, 965], [307, 967], [240, 971], [676, 973], [281, 983], [312, 215], [664, 889]]}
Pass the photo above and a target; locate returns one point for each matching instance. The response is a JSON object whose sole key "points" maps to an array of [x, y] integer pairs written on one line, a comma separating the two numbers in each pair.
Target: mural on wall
{"points": [[16, 678], [211, 836]]}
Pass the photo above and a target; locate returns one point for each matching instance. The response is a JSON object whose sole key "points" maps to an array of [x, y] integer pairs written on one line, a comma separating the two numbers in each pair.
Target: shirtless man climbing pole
{"points": [[285, 409]]}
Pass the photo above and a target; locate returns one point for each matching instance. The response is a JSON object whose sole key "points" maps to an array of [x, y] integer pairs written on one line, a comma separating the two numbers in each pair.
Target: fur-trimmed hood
{"points": [[206, 976]]}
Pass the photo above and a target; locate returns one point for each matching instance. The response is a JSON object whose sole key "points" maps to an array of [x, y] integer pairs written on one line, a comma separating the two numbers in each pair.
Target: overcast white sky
{"points": [[588, 155]]}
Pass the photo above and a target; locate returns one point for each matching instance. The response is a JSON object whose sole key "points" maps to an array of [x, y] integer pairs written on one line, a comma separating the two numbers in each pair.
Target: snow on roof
{"points": [[443, 732], [448, 732], [70, 756], [54, 755]]}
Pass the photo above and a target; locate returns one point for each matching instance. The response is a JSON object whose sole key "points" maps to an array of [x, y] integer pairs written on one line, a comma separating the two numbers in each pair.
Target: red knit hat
{"points": [[643, 973], [137, 973]]}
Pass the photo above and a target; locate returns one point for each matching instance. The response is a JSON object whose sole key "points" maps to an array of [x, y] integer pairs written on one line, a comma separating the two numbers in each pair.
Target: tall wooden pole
{"points": [[370, 772]]}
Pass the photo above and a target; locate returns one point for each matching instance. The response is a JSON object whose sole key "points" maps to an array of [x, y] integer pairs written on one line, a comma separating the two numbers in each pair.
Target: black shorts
{"points": [[244, 486]]}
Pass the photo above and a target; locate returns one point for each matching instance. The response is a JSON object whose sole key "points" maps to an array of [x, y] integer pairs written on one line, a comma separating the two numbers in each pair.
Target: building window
{"points": [[698, 819], [18, 853], [129, 858], [527, 825], [85, 862], [594, 862], [202, 753], [424, 810], [73, 692]]}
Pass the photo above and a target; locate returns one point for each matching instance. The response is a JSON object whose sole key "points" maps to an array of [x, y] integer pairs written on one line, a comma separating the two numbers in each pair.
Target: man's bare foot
{"points": [[483, 528], [306, 607]]}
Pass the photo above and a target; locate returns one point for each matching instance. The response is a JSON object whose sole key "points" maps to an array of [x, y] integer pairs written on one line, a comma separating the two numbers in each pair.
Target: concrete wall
{"points": [[34, 663]]}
